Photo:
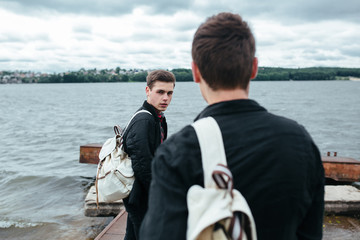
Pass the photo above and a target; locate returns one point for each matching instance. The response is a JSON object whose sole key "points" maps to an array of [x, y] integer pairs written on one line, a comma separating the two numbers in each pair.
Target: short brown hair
{"points": [[159, 75], [223, 49]]}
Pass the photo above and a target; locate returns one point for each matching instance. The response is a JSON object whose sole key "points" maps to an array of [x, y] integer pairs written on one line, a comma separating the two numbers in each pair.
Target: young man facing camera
{"points": [[144, 134]]}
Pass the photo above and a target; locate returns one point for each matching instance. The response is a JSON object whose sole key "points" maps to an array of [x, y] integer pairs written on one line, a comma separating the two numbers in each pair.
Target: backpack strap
{"points": [[212, 148], [141, 111], [217, 175]]}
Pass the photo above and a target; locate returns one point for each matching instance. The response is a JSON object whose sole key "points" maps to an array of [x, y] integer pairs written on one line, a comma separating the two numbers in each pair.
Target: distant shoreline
{"points": [[181, 75], [354, 79]]}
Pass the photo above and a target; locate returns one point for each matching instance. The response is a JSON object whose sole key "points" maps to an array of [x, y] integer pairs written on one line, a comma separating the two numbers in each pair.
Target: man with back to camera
{"points": [[143, 135], [274, 162]]}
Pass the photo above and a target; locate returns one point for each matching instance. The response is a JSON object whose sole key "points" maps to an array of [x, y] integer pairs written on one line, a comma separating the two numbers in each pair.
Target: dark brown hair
{"points": [[223, 49], [159, 75]]}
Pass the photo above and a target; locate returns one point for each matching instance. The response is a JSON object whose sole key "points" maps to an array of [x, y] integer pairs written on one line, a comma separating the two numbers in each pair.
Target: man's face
{"points": [[160, 95]]}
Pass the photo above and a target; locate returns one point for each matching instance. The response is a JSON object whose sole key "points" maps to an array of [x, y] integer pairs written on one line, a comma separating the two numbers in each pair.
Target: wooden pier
{"points": [[339, 199]]}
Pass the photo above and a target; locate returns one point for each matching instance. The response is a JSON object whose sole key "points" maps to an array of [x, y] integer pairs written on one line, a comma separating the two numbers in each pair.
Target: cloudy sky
{"points": [[61, 35]]}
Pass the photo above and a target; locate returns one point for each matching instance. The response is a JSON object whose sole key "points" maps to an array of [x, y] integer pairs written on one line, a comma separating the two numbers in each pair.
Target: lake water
{"points": [[42, 183]]}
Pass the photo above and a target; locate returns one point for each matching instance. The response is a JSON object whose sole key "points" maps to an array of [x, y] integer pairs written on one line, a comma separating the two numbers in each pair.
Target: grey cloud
{"points": [[48, 47], [296, 11], [115, 60], [68, 6], [353, 51], [5, 60], [266, 43], [288, 12], [24, 60], [185, 25], [18, 37], [87, 29], [316, 55], [289, 57], [82, 37], [82, 32], [96, 7], [309, 10], [11, 38], [28, 60], [168, 7], [87, 56], [184, 38], [142, 51], [116, 39], [310, 51], [144, 36], [162, 37], [324, 57]]}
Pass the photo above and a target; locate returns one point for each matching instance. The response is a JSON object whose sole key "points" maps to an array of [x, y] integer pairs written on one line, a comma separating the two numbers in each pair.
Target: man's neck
{"points": [[225, 95]]}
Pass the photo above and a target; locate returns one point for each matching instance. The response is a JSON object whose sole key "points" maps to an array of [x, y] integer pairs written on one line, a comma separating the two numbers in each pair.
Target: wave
{"points": [[5, 223]]}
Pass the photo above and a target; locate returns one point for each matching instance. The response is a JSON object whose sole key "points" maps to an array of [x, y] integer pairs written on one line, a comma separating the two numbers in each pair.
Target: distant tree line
{"points": [[84, 76], [303, 74], [185, 75], [181, 74]]}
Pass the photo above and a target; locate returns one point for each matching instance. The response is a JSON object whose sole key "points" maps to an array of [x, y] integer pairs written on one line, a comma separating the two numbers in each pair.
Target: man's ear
{"points": [[147, 90], [195, 72], [254, 69]]}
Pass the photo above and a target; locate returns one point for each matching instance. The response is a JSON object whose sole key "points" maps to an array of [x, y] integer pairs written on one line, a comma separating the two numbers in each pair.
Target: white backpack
{"points": [[115, 176], [217, 211]]}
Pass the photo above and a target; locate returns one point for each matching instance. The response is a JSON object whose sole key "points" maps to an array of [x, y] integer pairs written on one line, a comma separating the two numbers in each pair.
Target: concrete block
{"points": [[342, 199], [104, 210]]}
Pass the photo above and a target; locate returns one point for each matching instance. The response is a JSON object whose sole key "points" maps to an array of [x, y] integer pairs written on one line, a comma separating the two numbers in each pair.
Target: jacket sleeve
{"points": [[312, 225], [140, 141], [166, 217]]}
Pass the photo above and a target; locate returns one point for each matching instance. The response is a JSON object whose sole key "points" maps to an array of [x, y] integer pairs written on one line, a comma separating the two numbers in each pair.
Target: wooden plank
{"points": [[341, 169], [90, 153], [116, 228]]}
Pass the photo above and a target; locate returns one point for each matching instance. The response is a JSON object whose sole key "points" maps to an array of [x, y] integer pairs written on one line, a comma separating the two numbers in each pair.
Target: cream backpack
{"points": [[217, 211], [115, 176]]}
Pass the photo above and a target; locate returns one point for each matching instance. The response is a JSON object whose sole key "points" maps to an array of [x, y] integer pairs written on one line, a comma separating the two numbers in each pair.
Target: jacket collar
{"points": [[230, 107], [150, 108], [153, 111]]}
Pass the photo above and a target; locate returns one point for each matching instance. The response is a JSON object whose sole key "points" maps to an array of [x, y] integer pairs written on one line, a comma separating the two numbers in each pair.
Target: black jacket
{"points": [[275, 165], [141, 139]]}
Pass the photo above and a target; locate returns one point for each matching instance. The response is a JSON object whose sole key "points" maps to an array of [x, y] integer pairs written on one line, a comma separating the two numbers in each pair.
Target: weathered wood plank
{"points": [[116, 229], [341, 169], [90, 153]]}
